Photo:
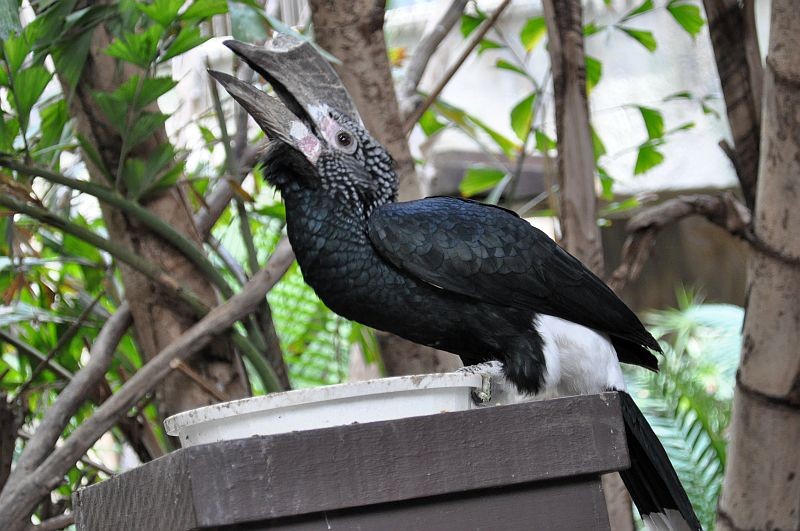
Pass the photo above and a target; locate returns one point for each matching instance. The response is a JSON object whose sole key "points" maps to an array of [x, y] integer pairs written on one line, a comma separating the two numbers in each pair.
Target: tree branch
{"points": [[151, 221], [148, 269], [31, 352], [119, 252], [70, 398], [407, 88], [474, 40], [272, 350], [62, 340], [733, 37], [723, 210], [19, 498]]}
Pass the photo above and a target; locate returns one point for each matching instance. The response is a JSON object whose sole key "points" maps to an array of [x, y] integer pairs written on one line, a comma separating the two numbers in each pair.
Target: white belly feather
{"points": [[579, 360]]}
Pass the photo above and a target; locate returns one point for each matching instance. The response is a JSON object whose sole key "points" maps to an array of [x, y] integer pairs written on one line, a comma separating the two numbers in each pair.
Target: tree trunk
{"points": [[733, 36], [10, 421], [762, 479], [352, 30], [158, 319], [578, 204]]}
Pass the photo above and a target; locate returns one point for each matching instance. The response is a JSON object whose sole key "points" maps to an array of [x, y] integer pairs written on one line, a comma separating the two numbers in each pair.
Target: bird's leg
{"points": [[489, 371], [495, 389]]}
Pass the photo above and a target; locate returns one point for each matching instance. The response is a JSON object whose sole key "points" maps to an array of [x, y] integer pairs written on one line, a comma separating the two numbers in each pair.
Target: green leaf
{"points": [[207, 135], [9, 18], [111, 107], [470, 22], [648, 158], [598, 148], [469, 123], [140, 48], [606, 184], [653, 121], [163, 12], [9, 129], [477, 180], [142, 178], [16, 49], [247, 24], [28, 87], [522, 117], [643, 37], [594, 71], [544, 143], [115, 105], [682, 127], [151, 89], [488, 44], [687, 15], [278, 211], [508, 146], [505, 65], [91, 153], [188, 38], [620, 206], [146, 124], [592, 28], [430, 123], [203, 9], [644, 7], [685, 95], [134, 177], [70, 57], [54, 118], [532, 33]]}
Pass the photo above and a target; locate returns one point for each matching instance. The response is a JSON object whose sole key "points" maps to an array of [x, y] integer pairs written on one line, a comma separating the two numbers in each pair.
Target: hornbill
{"points": [[454, 274]]}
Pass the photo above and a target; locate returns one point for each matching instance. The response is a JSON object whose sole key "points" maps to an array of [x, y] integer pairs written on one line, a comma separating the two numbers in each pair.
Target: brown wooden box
{"points": [[527, 466]]}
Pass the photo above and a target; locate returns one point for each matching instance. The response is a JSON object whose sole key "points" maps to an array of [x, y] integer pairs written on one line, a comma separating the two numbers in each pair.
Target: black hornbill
{"points": [[454, 274]]}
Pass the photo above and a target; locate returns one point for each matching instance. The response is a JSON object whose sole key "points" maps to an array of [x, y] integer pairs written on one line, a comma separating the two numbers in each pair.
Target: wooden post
{"points": [[522, 466]]}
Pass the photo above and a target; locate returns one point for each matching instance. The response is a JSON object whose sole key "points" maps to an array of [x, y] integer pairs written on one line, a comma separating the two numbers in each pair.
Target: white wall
{"points": [[631, 75]]}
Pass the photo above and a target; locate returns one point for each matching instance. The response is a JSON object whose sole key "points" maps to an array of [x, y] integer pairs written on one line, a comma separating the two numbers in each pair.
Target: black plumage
{"points": [[450, 273]]}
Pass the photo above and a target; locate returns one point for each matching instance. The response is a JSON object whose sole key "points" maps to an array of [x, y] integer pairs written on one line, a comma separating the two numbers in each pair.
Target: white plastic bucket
{"points": [[322, 407]]}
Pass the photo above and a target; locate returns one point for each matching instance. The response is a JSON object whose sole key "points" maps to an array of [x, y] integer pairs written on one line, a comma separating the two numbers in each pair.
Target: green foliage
{"points": [[49, 280], [642, 8], [524, 114], [687, 15], [478, 180], [653, 121], [532, 33], [139, 48], [522, 117], [643, 37], [474, 127], [688, 402], [648, 158]]}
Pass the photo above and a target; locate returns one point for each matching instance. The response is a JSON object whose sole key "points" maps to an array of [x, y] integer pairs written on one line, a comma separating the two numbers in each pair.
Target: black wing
{"points": [[489, 253]]}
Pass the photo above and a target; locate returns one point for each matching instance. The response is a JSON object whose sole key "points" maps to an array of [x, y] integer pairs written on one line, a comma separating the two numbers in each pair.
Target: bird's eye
{"points": [[344, 139]]}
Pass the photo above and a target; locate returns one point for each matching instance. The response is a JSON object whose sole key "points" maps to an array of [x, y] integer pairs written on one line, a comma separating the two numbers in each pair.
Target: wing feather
{"points": [[492, 255]]}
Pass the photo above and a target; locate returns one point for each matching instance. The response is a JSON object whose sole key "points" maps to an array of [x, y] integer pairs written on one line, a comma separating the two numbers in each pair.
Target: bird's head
{"points": [[317, 138]]}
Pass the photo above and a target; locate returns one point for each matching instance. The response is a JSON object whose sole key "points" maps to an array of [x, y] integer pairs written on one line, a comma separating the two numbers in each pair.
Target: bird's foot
{"points": [[488, 371]]}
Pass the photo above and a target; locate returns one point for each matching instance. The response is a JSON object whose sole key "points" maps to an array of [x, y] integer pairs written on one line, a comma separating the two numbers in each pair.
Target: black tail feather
{"points": [[651, 481]]}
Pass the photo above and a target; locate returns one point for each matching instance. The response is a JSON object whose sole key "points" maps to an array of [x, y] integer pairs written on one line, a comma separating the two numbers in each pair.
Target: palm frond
{"points": [[688, 402]]}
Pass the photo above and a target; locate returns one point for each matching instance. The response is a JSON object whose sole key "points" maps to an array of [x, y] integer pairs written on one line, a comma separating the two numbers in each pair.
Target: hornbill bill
{"points": [[454, 274]]}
